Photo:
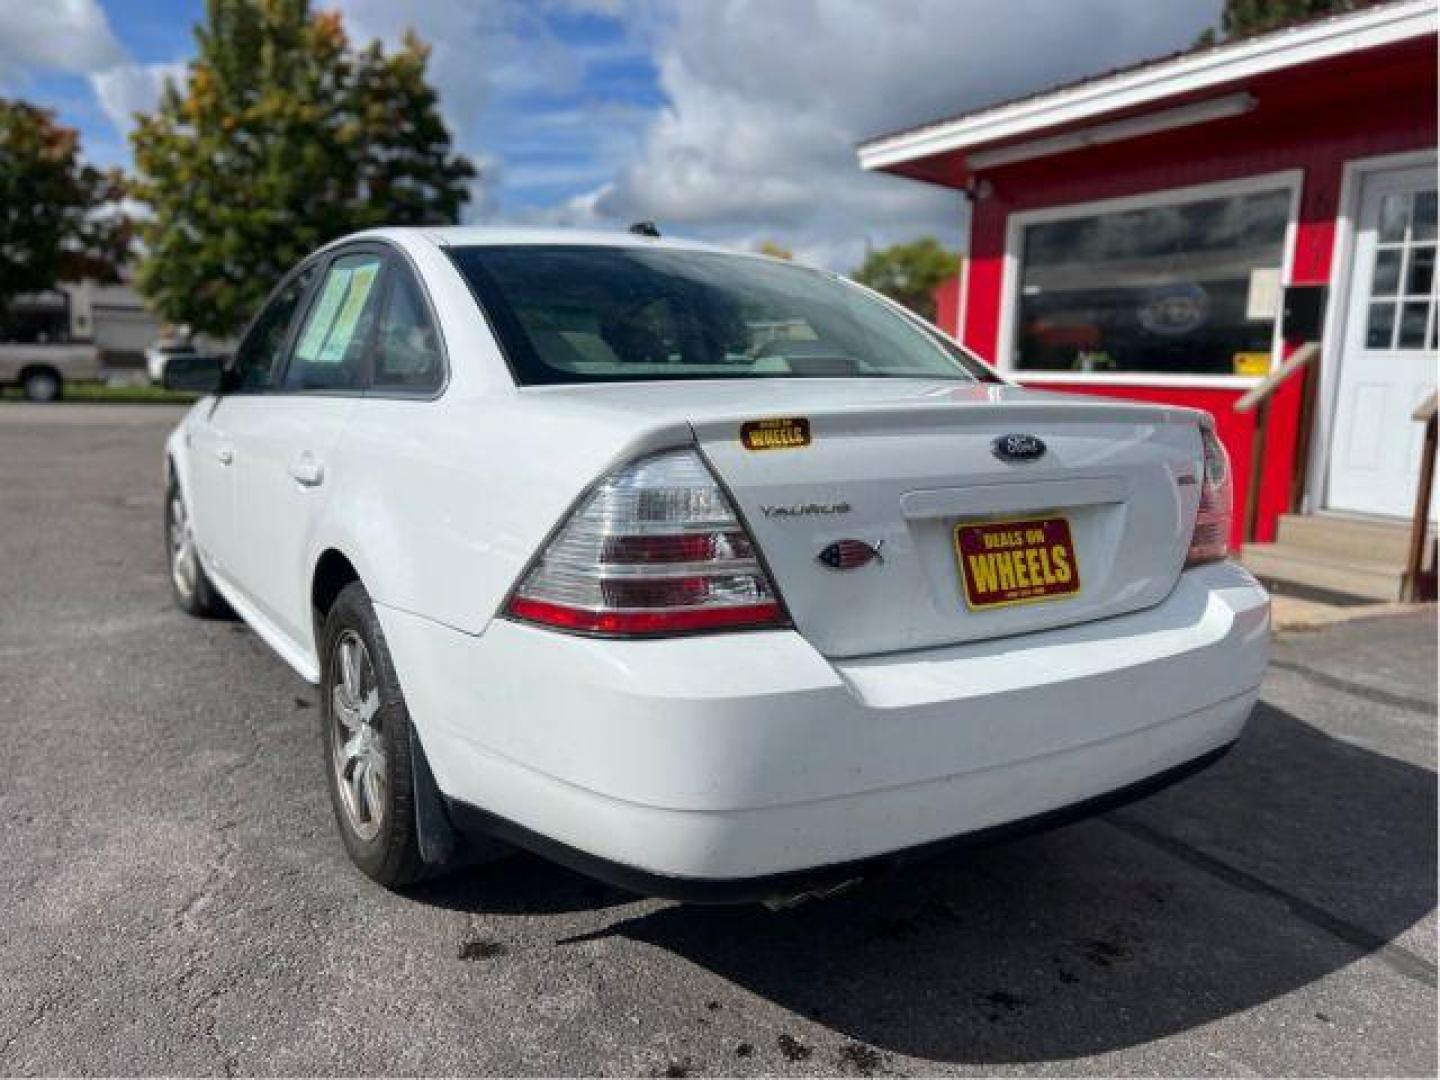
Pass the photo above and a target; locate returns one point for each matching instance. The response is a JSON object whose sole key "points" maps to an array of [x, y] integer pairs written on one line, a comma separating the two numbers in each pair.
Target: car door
{"points": [[210, 434], [285, 471]]}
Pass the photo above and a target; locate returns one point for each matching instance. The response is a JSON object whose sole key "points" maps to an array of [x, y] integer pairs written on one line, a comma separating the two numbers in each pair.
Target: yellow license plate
{"points": [[1016, 562]]}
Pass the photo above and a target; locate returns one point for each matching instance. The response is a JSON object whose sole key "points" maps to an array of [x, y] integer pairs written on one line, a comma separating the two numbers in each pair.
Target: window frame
{"points": [[390, 254], [1289, 180]]}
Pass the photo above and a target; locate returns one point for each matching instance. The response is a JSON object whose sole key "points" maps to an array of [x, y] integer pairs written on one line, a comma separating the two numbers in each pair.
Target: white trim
{"points": [[967, 248], [1332, 342], [1289, 179], [1133, 127], [1193, 73], [1123, 379]]}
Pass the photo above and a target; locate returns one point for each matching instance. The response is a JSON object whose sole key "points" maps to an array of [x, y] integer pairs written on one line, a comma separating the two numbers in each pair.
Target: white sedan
{"points": [[710, 575]]}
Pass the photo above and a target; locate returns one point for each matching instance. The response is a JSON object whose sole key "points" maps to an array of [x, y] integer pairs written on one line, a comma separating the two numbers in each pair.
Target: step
{"points": [[1328, 571], [1343, 537]]}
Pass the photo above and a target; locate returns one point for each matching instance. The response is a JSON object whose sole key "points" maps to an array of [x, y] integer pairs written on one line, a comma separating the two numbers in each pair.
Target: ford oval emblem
{"points": [[1018, 447]]}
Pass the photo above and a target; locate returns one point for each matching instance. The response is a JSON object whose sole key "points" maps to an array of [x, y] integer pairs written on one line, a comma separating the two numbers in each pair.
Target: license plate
{"points": [[1017, 562]]}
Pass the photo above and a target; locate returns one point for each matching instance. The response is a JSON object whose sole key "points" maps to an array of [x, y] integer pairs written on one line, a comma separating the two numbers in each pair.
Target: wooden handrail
{"points": [[1257, 399], [1419, 583], [1262, 391], [1425, 410]]}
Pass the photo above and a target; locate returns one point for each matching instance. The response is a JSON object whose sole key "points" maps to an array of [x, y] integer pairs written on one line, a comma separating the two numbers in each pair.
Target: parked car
{"points": [[158, 355], [585, 557], [43, 370]]}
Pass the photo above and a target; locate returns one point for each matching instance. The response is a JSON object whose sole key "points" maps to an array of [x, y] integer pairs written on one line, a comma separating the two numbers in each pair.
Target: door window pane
{"points": [[330, 350], [1180, 288], [1422, 270], [258, 358], [1424, 228], [407, 348], [1394, 215], [1387, 272], [1380, 326], [1413, 319]]}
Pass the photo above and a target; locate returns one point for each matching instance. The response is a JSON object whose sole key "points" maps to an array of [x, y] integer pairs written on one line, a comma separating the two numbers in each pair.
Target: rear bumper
{"points": [[700, 765], [815, 881]]}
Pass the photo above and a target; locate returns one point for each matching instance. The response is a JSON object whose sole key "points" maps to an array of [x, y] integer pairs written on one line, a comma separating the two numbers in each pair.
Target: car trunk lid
{"points": [[917, 480]]}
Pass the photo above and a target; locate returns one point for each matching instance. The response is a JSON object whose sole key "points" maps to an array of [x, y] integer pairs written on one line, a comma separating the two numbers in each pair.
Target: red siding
{"points": [[947, 305], [1313, 119]]}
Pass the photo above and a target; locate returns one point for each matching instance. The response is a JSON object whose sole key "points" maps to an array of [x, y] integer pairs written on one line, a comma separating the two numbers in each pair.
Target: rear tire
{"points": [[365, 739], [43, 385], [189, 584]]}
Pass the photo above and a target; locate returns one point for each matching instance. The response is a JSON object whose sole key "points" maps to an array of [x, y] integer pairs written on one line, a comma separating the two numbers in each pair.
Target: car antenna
{"points": [[645, 228]]}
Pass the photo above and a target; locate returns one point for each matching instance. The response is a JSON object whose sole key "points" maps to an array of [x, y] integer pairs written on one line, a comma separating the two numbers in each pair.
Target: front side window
{"points": [[331, 348], [258, 360], [1183, 288], [578, 313]]}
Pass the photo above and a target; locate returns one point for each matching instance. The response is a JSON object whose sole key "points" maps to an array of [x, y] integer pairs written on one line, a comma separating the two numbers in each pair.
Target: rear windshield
{"points": [[576, 314]]}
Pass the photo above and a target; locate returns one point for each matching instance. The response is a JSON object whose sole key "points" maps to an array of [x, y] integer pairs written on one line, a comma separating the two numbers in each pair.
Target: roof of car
{"points": [[492, 236]]}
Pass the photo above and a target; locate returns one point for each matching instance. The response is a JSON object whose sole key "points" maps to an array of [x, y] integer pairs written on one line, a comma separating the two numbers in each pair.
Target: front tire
{"points": [[43, 385], [365, 736], [189, 584]]}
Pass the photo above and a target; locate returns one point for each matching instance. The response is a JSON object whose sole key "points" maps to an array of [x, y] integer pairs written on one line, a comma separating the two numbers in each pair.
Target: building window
{"points": [[1183, 287]]}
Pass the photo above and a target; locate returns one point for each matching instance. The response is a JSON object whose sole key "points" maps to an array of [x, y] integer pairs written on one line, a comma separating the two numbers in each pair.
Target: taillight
{"points": [[1211, 538], [654, 549]]}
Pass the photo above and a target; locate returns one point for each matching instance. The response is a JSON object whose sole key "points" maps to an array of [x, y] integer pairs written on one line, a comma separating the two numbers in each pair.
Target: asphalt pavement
{"points": [[175, 900]]}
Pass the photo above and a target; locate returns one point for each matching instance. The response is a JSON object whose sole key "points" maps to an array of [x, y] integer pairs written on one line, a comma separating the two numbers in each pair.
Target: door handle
{"points": [[225, 455], [306, 471]]}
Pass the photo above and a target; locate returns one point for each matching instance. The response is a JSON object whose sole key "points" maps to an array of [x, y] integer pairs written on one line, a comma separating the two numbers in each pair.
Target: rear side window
{"points": [[407, 347], [330, 350], [257, 361]]}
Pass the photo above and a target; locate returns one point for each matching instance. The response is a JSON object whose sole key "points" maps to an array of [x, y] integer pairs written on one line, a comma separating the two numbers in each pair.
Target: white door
{"points": [[1388, 357], [284, 444], [212, 486]]}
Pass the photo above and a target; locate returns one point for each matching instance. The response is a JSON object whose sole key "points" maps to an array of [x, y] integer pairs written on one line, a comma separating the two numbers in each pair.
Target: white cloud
{"points": [[70, 36], [767, 100], [764, 99], [130, 88]]}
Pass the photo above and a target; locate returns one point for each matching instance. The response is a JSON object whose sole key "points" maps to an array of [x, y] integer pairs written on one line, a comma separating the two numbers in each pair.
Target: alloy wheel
{"points": [[357, 746], [183, 564]]}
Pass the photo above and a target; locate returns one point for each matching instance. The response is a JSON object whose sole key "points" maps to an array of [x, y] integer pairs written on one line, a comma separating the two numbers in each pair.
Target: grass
{"points": [[102, 393]]}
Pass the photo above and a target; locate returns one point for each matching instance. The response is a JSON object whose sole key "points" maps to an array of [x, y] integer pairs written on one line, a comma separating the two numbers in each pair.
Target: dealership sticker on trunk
{"points": [[1017, 562], [783, 433]]}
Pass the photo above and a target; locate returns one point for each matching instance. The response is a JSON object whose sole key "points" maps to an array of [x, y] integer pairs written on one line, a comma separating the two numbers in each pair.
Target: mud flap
{"points": [[441, 844]]}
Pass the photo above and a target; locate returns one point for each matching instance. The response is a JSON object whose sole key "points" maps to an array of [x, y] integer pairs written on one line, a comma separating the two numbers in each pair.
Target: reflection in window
{"points": [[1403, 306], [407, 349], [1185, 288]]}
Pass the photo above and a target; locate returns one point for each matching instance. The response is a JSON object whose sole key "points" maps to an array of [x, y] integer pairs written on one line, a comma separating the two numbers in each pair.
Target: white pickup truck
{"points": [[43, 370]]}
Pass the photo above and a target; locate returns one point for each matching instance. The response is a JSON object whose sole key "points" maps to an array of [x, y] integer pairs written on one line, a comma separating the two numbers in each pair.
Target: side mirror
{"points": [[195, 374]]}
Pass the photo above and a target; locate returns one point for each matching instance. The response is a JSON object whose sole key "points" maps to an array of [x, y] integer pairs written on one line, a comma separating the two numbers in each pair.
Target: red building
{"points": [[1142, 234]]}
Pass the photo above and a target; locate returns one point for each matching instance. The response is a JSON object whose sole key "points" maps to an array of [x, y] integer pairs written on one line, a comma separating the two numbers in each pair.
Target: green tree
{"points": [[1242, 18], [909, 273], [283, 137], [776, 250], [59, 218]]}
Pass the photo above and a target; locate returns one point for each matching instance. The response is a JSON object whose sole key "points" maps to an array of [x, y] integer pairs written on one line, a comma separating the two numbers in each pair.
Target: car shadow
{"points": [[1288, 860]]}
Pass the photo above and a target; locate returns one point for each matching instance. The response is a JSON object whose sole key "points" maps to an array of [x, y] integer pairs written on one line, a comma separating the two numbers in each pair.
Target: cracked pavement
{"points": [[175, 900]]}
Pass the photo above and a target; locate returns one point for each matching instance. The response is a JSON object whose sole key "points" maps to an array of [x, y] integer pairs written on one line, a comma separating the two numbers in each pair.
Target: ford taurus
{"points": [[710, 575]]}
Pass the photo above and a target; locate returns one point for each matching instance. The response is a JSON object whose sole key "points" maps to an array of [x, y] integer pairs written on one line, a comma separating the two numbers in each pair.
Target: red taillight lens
{"points": [[1211, 538], [655, 549]]}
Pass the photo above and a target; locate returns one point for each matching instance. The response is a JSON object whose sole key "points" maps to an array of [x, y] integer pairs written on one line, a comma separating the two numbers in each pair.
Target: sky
{"points": [[729, 120]]}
